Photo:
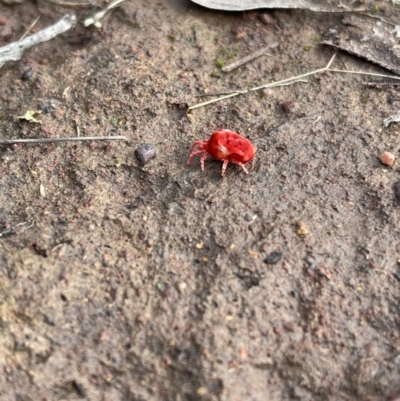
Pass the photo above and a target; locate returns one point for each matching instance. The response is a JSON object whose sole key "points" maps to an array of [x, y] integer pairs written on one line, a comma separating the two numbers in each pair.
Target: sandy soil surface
{"points": [[159, 282]]}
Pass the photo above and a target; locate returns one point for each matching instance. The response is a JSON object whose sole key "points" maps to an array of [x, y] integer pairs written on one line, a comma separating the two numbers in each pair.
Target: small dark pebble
{"points": [[79, 388], [49, 319], [145, 153], [247, 217], [166, 293], [396, 189], [39, 82], [287, 106], [396, 276], [27, 75], [142, 234], [273, 257], [48, 106], [237, 29]]}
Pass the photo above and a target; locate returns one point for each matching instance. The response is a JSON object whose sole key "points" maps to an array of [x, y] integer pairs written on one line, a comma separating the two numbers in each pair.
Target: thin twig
{"points": [[248, 90], [382, 83], [270, 85], [14, 51], [71, 139], [331, 60], [26, 33], [30, 28], [250, 57], [292, 80], [372, 74], [95, 19]]}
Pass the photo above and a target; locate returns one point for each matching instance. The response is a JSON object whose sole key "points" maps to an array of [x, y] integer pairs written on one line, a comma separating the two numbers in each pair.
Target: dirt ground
{"points": [[124, 282]]}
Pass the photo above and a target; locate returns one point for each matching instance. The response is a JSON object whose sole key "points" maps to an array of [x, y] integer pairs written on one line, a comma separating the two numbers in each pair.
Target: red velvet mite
{"points": [[224, 145]]}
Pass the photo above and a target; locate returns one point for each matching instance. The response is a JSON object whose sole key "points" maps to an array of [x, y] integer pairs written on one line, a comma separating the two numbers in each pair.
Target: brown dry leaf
{"points": [[369, 38], [313, 5]]}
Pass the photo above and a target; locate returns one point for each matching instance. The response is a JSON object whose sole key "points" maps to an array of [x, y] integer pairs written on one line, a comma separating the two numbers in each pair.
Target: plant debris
{"points": [[14, 51], [312, 5], [67, 139], [30, 116], [372, 39], [395, 118], [250, 57], [95, 19]]}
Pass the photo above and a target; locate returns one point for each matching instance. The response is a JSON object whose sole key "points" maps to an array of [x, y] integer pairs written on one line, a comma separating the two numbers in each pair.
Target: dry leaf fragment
{"points": [[369, 38], [313, 5], [30, 116], [395, 118]]}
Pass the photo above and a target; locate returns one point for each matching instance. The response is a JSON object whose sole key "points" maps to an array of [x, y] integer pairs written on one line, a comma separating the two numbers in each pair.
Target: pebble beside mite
{"points": [[224, 145]]}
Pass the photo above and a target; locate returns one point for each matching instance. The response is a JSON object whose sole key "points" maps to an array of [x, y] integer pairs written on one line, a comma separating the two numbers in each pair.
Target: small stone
{"points": [[237, 29], [387, 158], [243, 355], [48, 106], [396, 189], [166, 293], [201, 391], [287, 106], [79, 388], [290, 326], [145, 153], [27, 75], [301, 229], [6, 32], [39, 82], [49, 319], [267, 92], [265, 18], [182, 287], [247, 217], [273, 257], [239, 32], [128, 257], [139, 15]]}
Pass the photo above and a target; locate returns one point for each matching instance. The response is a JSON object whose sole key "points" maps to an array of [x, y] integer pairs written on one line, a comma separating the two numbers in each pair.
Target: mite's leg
{"points": [[242, 166], [204, 157], [224, 167], [194, 153]]}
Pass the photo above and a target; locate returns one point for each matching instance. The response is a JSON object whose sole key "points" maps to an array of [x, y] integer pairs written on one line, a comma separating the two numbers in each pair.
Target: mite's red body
{"points": [[224, 145]]}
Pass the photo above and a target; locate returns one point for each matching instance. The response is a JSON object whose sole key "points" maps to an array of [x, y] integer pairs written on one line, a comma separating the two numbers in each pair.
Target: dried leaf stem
{"points": [[249, 57], [270, 85], [289, 81]]}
